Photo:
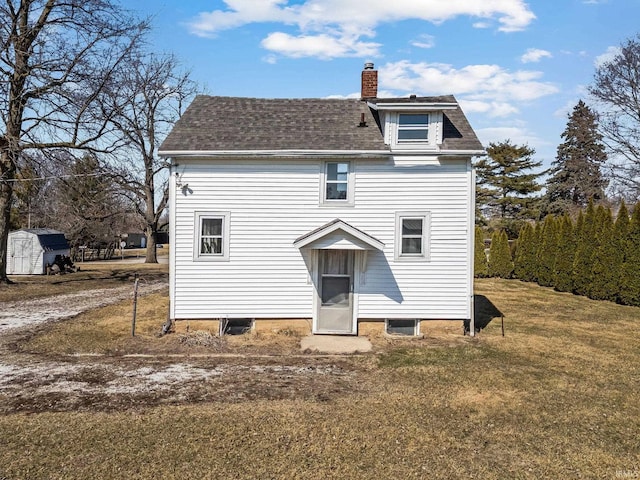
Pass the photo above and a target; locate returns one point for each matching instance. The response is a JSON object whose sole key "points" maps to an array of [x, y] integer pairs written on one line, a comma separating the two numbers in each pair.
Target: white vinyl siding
{"points": [[273, 202]]}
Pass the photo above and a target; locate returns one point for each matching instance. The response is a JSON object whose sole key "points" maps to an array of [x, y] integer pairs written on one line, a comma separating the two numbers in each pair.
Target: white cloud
{"points": [[518, 135], [483, 88], [606, 56], [491, 109], [322, 46], [347, 21], [424, 41], [534, 55]]}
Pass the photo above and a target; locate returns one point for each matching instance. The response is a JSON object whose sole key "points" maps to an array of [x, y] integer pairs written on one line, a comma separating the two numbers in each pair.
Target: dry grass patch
{"points": [[91, 276], [555, 398], [105, 330]]}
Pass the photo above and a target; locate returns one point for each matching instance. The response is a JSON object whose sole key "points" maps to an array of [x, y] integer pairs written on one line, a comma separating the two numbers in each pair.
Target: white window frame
{"points": [[197, 237], [424, 255], [416, 328], [414, 127], [434, 129], [324, 201]]}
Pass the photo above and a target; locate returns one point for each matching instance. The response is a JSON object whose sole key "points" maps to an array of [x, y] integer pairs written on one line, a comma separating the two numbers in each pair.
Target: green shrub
{"points": [[480, 264], [547, 252], [630, 277], [565, 253], [525, 262], [500, 262], [585, 251], [605, 271]]}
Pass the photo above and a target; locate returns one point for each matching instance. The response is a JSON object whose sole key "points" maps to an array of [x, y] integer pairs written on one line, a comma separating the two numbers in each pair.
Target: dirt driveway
{"points": [[36, 383]]}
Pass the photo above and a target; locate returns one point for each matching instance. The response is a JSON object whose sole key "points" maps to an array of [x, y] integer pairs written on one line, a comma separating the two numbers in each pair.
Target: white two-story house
{"points": [[347, 215]]}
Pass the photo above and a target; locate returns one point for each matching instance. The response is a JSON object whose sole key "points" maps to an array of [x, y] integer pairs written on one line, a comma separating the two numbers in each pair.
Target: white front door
{"points": [[335, 292]]}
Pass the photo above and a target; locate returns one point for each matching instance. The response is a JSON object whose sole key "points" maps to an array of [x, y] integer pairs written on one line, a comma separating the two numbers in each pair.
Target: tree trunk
{"points": [[151, 257], [6, 193]]}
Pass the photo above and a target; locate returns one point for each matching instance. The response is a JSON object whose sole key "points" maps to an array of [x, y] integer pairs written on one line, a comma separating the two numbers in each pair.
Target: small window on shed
{"points": [[408, 327], [235, 326]]}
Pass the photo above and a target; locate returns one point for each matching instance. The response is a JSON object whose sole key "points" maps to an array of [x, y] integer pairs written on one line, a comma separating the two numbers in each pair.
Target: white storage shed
{"points": [[30, 250]]}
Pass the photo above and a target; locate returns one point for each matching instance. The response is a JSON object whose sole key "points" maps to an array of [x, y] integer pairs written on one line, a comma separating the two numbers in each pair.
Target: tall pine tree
{"points": [[506, 183], [575, 173]]}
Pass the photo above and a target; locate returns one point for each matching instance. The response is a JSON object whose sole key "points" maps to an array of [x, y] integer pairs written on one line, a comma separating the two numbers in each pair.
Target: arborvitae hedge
{"points": [[604, 284], [481, 266], [525, 261], [596, 257], [630, 277], [566, 250], [585, 250], [500, 262], [547, 252]]}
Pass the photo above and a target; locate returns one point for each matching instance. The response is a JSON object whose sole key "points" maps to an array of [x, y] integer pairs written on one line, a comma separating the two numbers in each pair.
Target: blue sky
{"points": [[516, 67]]}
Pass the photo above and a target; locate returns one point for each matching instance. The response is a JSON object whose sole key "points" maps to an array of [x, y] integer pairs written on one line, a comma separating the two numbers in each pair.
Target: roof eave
{"points": [[274, 153], [414, 106]]}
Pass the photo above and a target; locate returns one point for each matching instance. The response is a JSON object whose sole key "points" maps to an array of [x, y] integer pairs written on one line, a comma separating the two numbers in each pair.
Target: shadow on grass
{"points": [[484, 312]]}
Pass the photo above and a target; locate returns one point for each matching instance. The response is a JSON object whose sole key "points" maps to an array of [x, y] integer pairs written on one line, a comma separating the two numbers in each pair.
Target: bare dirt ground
{"points": [[36, 383]]}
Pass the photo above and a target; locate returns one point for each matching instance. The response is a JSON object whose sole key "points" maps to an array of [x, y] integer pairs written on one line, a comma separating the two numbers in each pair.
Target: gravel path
{"points": [[33, 312]]}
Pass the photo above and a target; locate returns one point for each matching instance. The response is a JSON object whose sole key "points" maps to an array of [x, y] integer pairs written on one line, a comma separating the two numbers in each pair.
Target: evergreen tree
{"points": [[481, 266], [525, 259], [605, 277], [565, 253], [547, 252], [620, 233], [630, 278], [583, 261], [500, 262], [575, 173], [506, 182]]}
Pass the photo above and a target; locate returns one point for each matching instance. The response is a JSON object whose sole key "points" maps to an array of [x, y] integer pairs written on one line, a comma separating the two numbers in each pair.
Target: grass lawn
{"points": [[556, 397]]}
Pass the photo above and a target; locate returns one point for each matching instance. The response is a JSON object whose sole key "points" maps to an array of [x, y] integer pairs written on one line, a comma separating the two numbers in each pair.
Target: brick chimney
{"points": [[369, 82]]}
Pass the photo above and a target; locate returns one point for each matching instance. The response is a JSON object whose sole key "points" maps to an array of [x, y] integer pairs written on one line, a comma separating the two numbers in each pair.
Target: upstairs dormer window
{"points": [[413, 128]]}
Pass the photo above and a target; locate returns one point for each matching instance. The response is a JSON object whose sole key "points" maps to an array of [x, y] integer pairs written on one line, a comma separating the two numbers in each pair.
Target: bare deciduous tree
{"points": [[56, 57], [617, 87], [149, 97]]}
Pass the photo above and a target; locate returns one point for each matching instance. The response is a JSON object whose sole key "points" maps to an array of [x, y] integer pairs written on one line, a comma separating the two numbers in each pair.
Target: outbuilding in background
{"points": [[30, 250]]}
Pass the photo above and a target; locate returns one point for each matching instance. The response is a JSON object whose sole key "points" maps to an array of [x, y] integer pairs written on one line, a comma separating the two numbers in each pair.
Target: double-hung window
{"points": [[211, 236], [337, 184], [413, 128], [412, 235]]}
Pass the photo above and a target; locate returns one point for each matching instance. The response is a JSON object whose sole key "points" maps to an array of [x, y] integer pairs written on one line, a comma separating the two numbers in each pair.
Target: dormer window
{"points": [[413, 128]]}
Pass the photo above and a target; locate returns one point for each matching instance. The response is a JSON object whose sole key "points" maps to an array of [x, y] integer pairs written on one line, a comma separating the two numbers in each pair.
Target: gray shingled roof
{"points": [[244, 124], [49, 239], [234, 123]]}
